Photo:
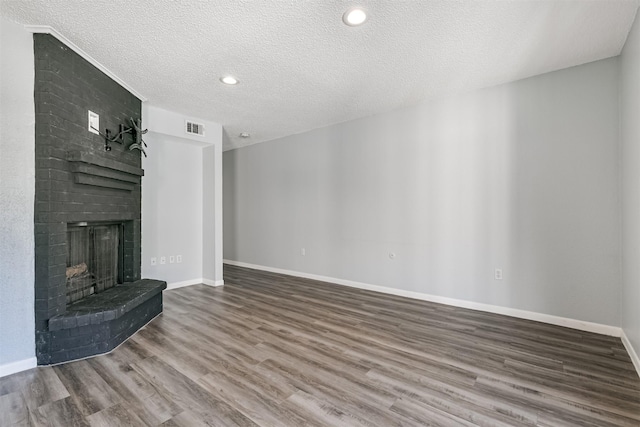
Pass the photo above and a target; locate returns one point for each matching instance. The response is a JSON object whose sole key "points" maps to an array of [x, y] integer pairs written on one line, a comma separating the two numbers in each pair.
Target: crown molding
{"points": [[45, 29]]}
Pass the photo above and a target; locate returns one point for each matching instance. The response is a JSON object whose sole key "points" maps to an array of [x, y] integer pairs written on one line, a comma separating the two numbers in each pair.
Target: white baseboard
{"points": [[513, 312], [210, 282], [632, 352], [176, 285], [200, 281], [19, 366]]}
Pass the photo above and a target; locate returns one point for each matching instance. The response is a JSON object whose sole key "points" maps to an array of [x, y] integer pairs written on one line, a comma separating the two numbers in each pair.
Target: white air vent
{"points": [[193, 128]]}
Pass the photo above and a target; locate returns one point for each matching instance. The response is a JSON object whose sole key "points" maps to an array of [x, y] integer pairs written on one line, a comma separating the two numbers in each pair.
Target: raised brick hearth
{"points": [[98, 323], [78, 181]]}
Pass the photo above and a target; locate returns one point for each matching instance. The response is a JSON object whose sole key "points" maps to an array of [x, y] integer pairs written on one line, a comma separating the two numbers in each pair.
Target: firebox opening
{"points": [[94, 258]]}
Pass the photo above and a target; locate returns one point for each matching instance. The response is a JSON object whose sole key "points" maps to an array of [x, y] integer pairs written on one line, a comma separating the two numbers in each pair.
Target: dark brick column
{"points": [[66, 87]]}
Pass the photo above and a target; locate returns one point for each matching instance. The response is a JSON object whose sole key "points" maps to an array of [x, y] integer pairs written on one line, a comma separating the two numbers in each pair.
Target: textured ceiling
{"points": [[301, 68]]}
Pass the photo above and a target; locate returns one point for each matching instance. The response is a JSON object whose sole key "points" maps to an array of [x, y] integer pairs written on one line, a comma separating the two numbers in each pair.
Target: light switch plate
{"points": [[94, 122]]}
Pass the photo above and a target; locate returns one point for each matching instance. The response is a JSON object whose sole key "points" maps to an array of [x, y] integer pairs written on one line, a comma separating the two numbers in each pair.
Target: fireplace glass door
{"points": [[94, 256]]}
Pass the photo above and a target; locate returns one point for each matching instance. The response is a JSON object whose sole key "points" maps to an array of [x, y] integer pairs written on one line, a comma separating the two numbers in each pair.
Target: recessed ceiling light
{"points": [[245, 135], [229, 80], [354, 16]]}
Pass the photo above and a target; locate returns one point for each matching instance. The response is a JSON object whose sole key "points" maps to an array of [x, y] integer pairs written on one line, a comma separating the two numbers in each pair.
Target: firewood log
{"points": [[76, 270]]}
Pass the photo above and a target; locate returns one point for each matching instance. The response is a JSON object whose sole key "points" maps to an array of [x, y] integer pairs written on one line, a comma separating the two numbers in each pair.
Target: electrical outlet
{"points": [[303, 252], [172, 259], [154, 261], [498, 274], [163, 260], [179, 259], [94, 122]]}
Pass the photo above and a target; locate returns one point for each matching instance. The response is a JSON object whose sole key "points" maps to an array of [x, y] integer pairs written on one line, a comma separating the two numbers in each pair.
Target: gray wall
{"points": [[523, 177], [630, 130], [172, 208], [179, 199], [17, 183]]}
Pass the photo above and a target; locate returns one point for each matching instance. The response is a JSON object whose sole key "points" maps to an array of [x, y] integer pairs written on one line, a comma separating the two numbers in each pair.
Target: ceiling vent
{"points": [[193, 128]]}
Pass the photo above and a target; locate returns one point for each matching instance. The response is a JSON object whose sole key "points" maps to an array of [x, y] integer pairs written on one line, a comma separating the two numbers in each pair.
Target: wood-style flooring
{"points": [[273, 350]]}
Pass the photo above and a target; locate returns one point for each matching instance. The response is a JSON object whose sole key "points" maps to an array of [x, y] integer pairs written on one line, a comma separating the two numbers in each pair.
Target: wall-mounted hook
{"points": [[137, 147], [136, 133]]}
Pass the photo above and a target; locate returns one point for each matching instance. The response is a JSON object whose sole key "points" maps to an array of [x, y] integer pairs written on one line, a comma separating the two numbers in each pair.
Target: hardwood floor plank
{"points": [[261, 408], [13, 410], [142, 397], [283, 341], [63, 412], [196, 419], [465, 403], [89, 391], [188, 394], [354, 400], [38, 386], [426, 415], [550, 402], [173, 354], [325, 413], [593, 388], [615, 378], [118, 415]]}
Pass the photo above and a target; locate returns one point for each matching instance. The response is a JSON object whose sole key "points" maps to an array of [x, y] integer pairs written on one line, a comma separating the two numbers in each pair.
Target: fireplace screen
{"points": [[93, 259]]}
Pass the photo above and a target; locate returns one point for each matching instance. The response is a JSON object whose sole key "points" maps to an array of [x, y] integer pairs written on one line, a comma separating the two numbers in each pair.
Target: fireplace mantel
{"points": [[91, 169]]}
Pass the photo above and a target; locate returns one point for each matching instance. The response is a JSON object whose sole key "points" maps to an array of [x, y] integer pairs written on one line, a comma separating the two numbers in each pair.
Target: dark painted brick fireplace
{"points": [[77, 181]]}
